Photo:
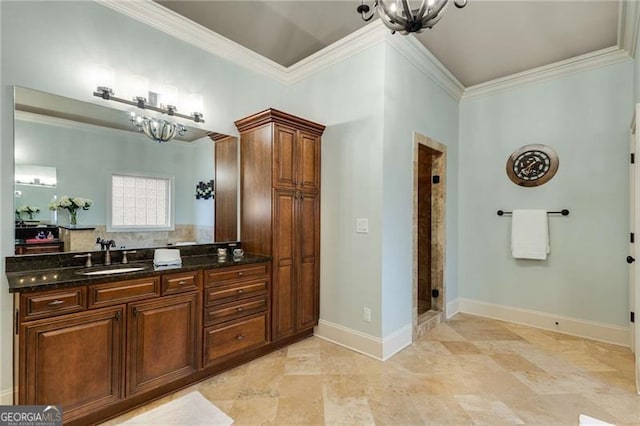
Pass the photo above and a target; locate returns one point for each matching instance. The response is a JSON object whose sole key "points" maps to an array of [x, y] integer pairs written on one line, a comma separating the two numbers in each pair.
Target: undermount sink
{"points": [[111, 271]]}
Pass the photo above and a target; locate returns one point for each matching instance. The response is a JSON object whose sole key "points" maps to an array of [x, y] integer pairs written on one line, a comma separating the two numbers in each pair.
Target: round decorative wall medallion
{"points": [[532, 165]]}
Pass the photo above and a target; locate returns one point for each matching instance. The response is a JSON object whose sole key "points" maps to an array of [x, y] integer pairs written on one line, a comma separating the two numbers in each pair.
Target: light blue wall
{"points": [[585, 118], [413, 102], [49, 46], [636, 74], [85, 157], [348, 99]]}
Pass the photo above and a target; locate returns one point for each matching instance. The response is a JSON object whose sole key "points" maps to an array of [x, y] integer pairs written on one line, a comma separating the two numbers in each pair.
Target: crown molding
{"points": [[628, 23], [346, 47], [153, 14], [416, 53], [589, 61]]}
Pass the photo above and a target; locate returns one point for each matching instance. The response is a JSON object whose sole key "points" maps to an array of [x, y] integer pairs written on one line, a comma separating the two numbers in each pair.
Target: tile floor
{"points": [[469, 370]]}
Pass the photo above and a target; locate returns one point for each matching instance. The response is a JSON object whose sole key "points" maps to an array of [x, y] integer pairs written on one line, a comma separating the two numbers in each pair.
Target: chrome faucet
{"points": [[124, 255], [106, 245], [88, 263]]}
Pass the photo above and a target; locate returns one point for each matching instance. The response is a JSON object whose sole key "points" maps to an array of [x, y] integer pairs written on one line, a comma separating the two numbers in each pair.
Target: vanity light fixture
{"points": [[107, 94], [400, 15], [156, 129]]}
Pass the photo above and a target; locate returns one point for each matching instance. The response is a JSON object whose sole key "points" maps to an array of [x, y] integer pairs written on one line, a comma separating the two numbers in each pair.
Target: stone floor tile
{"points": [[487, 411]]}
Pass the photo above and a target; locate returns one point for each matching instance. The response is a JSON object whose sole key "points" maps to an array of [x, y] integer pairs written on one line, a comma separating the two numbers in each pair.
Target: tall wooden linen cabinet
{"points": [[280, 211]]}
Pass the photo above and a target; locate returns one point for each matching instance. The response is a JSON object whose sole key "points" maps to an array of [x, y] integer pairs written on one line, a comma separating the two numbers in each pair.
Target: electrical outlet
{"points": [[366, 314], [362, 225]]}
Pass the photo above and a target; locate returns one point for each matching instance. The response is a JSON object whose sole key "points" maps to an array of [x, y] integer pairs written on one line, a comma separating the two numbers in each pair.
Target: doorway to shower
{"points": [[429, 236]]}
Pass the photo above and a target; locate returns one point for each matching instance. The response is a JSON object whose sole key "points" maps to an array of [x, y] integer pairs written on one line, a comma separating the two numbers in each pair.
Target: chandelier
{"points": [[157, 129], [407, 16]]}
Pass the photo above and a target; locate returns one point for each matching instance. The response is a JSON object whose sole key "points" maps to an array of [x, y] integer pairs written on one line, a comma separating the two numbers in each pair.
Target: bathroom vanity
{"points": [[99, 342]]}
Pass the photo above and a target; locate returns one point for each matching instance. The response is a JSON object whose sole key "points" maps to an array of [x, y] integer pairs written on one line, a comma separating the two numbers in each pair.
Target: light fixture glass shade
{"points": [[134, 86], [408, 16], [157, 129]]}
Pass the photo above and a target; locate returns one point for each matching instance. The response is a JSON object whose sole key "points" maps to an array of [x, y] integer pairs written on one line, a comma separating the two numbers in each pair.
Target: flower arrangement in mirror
{"points": [[29, 210], [72, 205]]}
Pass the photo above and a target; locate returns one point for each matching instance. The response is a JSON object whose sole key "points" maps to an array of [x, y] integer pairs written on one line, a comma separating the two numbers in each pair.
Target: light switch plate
{"points": [[362, 225]]}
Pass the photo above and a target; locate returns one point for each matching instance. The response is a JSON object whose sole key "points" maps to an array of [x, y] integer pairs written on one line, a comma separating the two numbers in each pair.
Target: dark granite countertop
{"points": [[46, 279]]}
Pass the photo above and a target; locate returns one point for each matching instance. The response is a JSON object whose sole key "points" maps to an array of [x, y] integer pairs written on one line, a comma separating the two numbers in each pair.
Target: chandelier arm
{"points": [[434, 21], [422, 8], [393, 26], [387, 13], [407, 10], [435, 11]]}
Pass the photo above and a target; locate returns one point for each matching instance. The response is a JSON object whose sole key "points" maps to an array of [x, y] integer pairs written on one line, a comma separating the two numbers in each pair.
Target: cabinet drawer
{"points": [[180, 283], [42, 248], [235, 291], [223, 341], [223, 313], [123, 291], [49, 303], [214, 276]]}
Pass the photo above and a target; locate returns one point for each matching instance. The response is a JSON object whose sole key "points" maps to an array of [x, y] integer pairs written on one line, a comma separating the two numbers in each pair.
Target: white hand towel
{"points": [[530, 234], [166, 257]]}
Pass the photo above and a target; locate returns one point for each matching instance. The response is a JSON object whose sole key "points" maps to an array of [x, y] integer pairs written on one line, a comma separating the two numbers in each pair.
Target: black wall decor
{"points": [[204, 190]]}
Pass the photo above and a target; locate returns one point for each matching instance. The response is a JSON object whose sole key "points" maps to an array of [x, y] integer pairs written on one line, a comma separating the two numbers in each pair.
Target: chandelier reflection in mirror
{"points": [[156, 129], [407, 16]]}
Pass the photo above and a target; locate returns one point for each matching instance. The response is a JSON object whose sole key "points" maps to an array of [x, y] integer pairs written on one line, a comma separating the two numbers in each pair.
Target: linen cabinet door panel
{"points": [[75, 360], [284, 256], [163, 341], [308, 161], [308, 220], [284, 164]]}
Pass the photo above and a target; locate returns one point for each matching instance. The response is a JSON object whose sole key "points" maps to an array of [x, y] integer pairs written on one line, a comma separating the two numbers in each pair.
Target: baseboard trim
{"points": [[453, 308], [6, 397], [602, 332], [396, 341], [380, 349]]}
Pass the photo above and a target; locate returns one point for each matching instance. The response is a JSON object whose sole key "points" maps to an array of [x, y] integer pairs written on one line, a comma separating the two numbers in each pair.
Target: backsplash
{"points": [[85, 240], [65, 260]]}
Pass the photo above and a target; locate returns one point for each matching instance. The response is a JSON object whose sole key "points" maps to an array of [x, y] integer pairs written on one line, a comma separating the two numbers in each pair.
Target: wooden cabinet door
{"points": [[163, 341], [284, 161], [284, 256], [75, 360], [308, 161], [308, 262]]}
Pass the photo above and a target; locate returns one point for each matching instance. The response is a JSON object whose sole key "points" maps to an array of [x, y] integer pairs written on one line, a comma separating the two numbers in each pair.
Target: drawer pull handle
{"points": [[240, 273], [56, 302], [240, 291], [239, 309], [183, 282], [239, 337]]}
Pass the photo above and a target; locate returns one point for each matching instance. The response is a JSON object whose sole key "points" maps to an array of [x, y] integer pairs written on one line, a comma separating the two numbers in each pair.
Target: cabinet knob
{"points": [[630, 259], [117, 315], [182, 282], [240, 273], [239, 337], [240, 291], [239, 309]]}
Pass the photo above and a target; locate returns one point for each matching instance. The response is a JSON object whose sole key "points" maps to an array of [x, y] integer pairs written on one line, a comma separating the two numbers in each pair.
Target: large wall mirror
{"points": [[69, 148]]}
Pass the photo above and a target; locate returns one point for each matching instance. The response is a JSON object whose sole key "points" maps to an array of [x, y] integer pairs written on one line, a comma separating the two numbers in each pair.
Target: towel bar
{"points": [[563, 212]]}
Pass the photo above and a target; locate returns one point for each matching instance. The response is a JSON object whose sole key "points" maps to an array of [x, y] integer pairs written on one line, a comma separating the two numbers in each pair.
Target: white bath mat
{"points": [[192, 409]]}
